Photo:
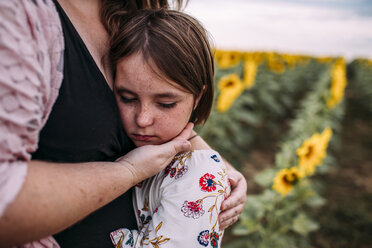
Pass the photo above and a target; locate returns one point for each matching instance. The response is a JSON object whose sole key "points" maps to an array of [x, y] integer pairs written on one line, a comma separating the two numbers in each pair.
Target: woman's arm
{"points": [[234, 205], [55, 196]]}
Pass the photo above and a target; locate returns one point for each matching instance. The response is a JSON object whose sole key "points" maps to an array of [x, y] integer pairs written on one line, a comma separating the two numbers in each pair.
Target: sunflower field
{"points": [[293, 108]]}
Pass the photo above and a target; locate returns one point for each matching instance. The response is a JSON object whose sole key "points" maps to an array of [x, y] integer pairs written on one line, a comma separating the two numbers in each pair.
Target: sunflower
{"points": [[294, 60], [275, 62], [324, 60], [313, 151], [338, 83], [325, 137], [368, 62], [291, 60], [226, 59], [286, 179], [365, 62], [230, 88], [250, 71], [258, 57]]}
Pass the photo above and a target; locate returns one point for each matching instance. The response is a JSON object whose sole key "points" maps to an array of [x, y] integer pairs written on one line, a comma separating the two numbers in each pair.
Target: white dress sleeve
{"points": [[191, 191]]}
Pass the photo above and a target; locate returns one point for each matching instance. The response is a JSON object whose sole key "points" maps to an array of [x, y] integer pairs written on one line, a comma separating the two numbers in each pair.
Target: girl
{"points": [[163, 80]]}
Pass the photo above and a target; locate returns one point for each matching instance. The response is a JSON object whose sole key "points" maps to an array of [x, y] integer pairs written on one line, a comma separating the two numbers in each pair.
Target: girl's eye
{"points": [[127, 99], [167, 105]]}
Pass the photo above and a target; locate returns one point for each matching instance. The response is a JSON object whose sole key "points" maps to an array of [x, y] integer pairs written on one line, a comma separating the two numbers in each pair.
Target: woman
{"points": [[40, 198]]}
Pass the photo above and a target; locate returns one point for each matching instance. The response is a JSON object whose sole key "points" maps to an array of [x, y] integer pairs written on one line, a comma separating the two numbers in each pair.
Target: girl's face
{"points": [[152, 110]]}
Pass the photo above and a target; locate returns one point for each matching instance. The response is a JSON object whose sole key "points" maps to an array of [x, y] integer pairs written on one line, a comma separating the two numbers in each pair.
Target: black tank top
{"points": [[84, 125]]}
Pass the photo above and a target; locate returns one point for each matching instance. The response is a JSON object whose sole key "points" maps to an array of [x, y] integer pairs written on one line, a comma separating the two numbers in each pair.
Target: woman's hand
{"points": [[146, 161], [233, 206]]}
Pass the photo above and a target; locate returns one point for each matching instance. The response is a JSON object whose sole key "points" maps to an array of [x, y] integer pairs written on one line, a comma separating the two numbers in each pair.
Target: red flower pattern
{"points": [[192, 209], [167, 170], [206, 183], [172, 172]]}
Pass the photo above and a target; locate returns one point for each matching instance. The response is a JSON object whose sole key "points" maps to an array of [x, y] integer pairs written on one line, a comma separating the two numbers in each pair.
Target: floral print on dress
{"points": [[214, 239], [118, 237], [181, 171], [157, 240], [192, 209], [125, 238], [215, 158], [192, 187], [144, 219], [203, 238], [181, 166], [206, 183], [130, 241]]}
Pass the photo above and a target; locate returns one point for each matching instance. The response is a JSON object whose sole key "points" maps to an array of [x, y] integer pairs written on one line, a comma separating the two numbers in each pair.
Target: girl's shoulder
{"points": [[195, 163], [210, 156]]}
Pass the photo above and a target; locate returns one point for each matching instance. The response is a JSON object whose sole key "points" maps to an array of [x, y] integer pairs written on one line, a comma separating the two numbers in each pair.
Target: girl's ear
{"points": [[197, 100]]}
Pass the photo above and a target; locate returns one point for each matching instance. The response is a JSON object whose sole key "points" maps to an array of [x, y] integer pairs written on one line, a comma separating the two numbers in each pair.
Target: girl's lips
{"points": [[142, 137]]}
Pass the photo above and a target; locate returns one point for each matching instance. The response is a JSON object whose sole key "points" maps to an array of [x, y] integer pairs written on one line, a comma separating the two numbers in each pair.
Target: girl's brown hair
{"points": [[176, 44], [111, 8]]}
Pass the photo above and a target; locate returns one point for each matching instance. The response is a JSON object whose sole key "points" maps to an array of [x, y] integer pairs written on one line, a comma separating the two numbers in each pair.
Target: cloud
{"points": [[285, 26]]}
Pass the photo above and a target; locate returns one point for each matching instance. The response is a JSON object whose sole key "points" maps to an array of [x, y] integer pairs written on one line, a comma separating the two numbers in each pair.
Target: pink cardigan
{"points": [[31, 61]]}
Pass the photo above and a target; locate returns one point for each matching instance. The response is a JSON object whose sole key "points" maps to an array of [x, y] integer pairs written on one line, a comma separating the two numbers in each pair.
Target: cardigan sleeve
{"points": [[31, 48], [187, 216]]}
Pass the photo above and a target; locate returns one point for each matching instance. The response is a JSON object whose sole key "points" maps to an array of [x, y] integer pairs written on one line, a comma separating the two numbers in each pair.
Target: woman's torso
{"points": [[84, 126]]}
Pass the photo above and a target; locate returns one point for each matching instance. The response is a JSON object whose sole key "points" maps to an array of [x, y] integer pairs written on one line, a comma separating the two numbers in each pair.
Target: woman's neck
{"points": [[86, 9], [85, 16]]}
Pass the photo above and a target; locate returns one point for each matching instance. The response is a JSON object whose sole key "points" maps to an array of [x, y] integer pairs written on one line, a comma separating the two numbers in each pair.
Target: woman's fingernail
{"points": [[232, 180], [186, 145]]}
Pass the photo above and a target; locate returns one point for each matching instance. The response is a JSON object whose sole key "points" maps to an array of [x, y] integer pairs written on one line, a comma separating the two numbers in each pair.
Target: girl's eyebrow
{"points": [[170, 95], [166, 95], [123, 90]]}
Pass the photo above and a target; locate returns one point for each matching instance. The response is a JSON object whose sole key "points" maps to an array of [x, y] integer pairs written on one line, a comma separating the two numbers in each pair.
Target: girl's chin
{"points": [[142, 143], [145, 143]]}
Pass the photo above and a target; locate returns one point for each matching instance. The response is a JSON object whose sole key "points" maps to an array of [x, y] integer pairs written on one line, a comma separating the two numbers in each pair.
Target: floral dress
{"points": [[179, 206]]}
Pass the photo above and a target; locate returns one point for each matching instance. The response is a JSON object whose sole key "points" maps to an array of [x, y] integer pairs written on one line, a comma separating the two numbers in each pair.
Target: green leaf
{"points": [[265, 178], [315, 201], [254, 208], [303, 225], [249, 117], [242, 230], [268, 198]]}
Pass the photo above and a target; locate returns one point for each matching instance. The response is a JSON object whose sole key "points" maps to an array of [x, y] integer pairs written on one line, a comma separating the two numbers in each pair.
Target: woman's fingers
{"points": [[185, 134], [230, 216], [238, 190], [178, 144], [138, 161], [233, 206], [233, 201], [173, 147]]}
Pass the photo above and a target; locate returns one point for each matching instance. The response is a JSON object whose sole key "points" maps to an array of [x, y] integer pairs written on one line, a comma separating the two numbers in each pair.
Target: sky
{"points": [[313, 27]]}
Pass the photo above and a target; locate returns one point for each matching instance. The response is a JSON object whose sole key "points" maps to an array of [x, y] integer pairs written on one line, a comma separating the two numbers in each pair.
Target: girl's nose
{"points": [[144, 117]]}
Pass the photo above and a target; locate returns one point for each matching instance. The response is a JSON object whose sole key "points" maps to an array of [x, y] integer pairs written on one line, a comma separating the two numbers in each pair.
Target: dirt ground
{"points": [[346, 220]]}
